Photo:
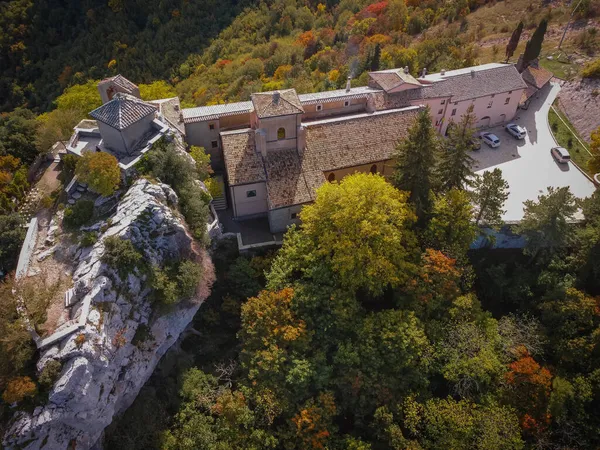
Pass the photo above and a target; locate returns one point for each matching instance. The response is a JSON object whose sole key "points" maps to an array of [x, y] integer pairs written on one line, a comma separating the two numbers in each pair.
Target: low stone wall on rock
{"points": [[27, 249], [103, 364]]}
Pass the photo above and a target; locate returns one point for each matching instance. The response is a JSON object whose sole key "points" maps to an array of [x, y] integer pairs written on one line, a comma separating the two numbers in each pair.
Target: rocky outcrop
{"points": [[580, 100], [106, 362]]}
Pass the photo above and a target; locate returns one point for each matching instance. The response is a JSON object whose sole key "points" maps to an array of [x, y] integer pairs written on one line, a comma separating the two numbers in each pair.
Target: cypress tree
{"points": [[534, 45], [375, 62], [454, 169], [514, 41], [415, 163]]}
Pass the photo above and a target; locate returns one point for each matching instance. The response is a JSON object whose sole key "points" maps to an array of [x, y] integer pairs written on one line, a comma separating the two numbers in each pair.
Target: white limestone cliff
{"points": [[105, 364]]}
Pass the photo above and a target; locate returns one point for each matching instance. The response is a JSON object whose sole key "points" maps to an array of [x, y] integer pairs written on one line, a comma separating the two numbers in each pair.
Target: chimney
{"points": [[276, 96], [349, 84], [443, 72], [424, 72], [405, 69]]}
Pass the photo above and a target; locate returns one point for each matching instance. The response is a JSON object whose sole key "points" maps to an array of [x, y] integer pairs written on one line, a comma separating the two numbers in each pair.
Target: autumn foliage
{"points": [[18, 389], [313, 422]]}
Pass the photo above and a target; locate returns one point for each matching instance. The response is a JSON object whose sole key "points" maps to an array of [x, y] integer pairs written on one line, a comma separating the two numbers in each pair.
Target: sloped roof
{"points": [[277, 103], [537, 76], [331, 144], [121, 81], [122, 111], [243, 163], [338, 94], [213, 112], [393, 78]]}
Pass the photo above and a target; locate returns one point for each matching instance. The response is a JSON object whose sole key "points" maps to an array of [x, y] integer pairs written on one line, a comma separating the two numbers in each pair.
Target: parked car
{"points": [[475, 143], [560, 154], [516, 131], [490, 139]]}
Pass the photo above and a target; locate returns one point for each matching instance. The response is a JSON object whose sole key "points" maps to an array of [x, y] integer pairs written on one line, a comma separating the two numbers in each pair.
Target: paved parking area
{"points": [[527, 165]]}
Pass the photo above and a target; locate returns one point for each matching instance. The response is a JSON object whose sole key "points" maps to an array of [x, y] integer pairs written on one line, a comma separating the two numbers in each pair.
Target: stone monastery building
{"points": [[277, 148]]}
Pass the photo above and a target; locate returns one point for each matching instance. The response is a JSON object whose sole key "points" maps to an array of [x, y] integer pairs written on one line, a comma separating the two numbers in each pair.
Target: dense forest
{"points": [[46, 46]]}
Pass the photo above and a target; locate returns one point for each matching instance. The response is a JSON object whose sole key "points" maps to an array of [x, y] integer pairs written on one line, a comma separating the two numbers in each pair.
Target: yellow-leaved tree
{"points": [[100, 171], [594, 162]]}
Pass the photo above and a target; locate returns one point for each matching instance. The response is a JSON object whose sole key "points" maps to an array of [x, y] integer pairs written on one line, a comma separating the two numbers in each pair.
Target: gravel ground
{"points": [[581, 105]]}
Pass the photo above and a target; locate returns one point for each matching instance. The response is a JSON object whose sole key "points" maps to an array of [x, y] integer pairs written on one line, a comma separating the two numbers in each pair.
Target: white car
{"points": [[560, 154], [490, 139], [516, 131]]}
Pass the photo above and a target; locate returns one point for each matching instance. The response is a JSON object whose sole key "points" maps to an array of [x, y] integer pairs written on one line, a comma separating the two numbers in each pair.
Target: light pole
{"points": [[568, 23]]}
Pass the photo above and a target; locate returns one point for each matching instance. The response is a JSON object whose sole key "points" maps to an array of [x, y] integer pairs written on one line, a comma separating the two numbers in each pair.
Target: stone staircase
{"points": [[220, 203]]}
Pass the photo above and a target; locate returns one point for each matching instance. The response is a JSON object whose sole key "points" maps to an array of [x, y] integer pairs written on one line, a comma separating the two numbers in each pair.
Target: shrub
{"points": [[591, 69], [47, 202], [142, 334], [121, 255], [193, 202], [80, 340], [18, 389], [50, 373], [69, 163], [175, 282], [100, 171], [79, 214], [89, 239]]}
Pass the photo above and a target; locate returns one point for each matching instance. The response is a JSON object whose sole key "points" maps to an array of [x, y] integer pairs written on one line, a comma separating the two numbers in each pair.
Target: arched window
{"points": [[331, 177], [281, 133], [374, 169]]}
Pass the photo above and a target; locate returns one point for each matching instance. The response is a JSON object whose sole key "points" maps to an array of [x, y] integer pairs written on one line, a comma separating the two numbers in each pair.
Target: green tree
{"points": [[81, 98], [358, 228], [451, 228], [513, 43], [17, 135], [157, 90], [415, 161], [586, 257], [594, 161], [100, 170], [202, 160], [546, 223], [455, 165], [534, 44], [12, 235], [447, 423], [489, 194]]}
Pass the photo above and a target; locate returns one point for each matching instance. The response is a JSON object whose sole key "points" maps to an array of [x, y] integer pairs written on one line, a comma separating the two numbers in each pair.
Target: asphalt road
{"points": [[527, 165]]}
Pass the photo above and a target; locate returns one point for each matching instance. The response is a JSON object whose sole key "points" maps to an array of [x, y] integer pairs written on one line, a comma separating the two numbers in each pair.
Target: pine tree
{"points": [[376, 61], [490, 192], [534, 44], [514, 41], [415, 162], [455, 165]]}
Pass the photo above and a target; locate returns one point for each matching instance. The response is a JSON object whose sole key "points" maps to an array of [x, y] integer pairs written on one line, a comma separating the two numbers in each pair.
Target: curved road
{"points": [[527, 165]]}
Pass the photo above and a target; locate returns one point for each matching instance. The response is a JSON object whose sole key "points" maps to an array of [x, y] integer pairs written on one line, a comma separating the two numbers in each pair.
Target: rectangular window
{"points": [[437, 123], [319, 107], [507, 101], [294, 216], [493, 95], [214, 144], [346, 103], [455, 103], [453, 112], [211, 126], [440, 111], [251, 193], [443, 102], [490, 104], [509, 92]]}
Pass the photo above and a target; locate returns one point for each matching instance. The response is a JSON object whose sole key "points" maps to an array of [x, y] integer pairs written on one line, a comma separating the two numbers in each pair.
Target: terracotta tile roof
{"points": [[331, 144], [286, 184], [277, 103], [121, 81], [537, 76], [243, 163], [123, 111], [393, 78], [363, 139]]}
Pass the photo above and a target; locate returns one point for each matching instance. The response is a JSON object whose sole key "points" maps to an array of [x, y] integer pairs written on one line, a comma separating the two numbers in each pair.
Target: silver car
{"points": [[560, 154], [490, 139], [516, 131]]}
